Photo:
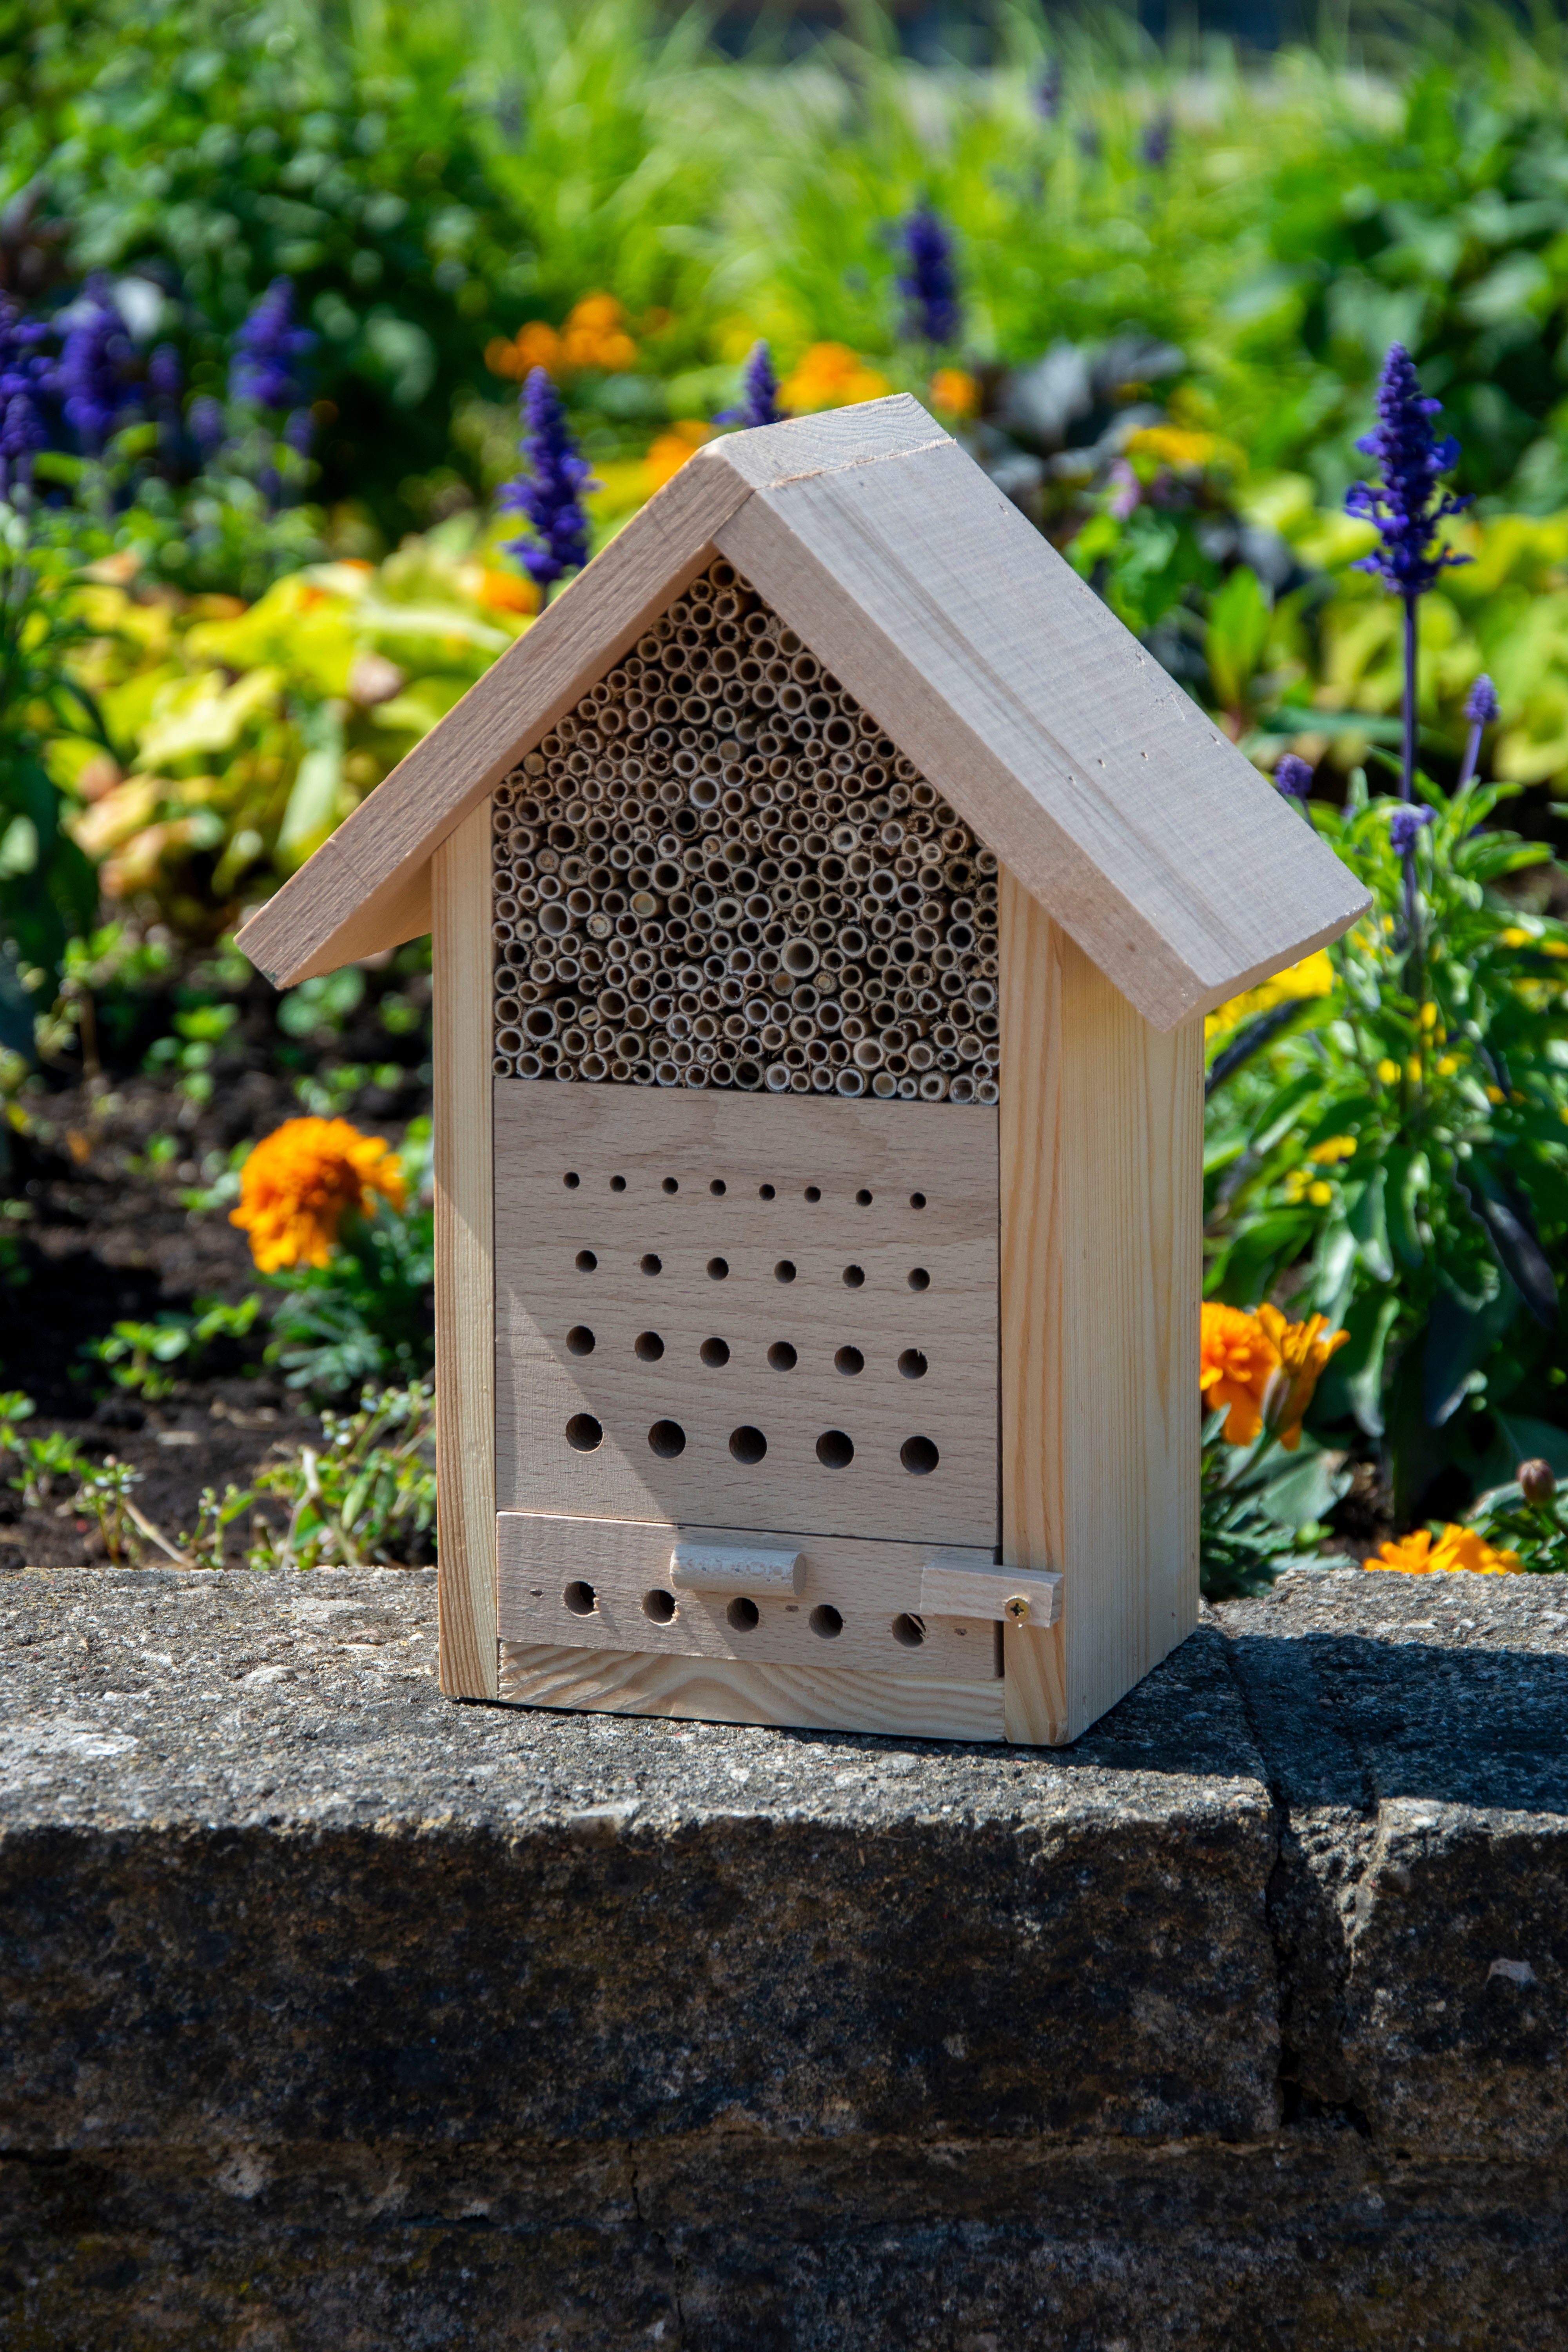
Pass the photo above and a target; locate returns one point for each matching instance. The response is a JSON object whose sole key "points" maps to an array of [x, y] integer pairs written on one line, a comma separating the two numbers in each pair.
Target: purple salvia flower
{"points": [[265, 370], [91, 369], [164, 373], [550, 494], [22, 435], [25, 378], [300, 432], [1405, 827], [207, 425], [1481, 708], [1048, 92], [1293, 777], [759, 402], [1406, 504], [928, 286], [1154, 147]]}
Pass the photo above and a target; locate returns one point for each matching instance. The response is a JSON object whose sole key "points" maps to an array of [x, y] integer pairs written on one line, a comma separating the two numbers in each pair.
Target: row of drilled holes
{"points": [[718, 1188], [834, 1449], [743, 1616], [648, 1349], [586, 1262]]}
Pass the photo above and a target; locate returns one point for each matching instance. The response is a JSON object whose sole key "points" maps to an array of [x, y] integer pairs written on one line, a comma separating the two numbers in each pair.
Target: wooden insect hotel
{"points": [[824, 1352]]}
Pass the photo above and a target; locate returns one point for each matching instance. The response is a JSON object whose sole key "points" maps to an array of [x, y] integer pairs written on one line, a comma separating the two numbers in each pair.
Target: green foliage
{"points": [[366, 1497], [369, 1314], [1534, 1524], [1262, 1509], [139, 1354]]}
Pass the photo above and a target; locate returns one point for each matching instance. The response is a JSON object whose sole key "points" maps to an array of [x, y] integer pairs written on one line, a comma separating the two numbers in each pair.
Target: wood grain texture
{"points": [[465, 1262], [359, 891], [864, 434], [1101, 1139], [717, 1690], [570, 1271], [960, 1585], [1151, 840]]}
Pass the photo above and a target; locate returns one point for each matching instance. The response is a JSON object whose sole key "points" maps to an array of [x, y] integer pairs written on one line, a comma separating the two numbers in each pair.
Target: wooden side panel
{"points": [[464, 1261], [1101, 1140], [718, 1690]]}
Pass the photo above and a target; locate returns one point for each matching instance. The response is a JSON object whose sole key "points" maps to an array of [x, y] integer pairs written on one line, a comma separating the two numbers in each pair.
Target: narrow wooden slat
{"points": [[465, 1262], [864, 434], [716, 1690], [1102, 1137]]}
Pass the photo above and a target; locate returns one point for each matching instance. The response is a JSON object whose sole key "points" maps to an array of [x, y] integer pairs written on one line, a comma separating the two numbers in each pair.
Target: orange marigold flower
{"points": [[828, 376], [671, 450], [955, 392], [508, 592], [300, 1182], [1302, 1350], [1457, 1548], [1239, 1362]]}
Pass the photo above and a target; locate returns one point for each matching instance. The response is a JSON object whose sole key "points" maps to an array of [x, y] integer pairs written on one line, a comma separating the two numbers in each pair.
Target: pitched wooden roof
{"points": [[1141, 829]]}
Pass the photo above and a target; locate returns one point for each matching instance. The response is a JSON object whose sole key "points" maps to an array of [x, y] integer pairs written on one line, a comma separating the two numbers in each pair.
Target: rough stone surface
{"points": [[338, 2015]]}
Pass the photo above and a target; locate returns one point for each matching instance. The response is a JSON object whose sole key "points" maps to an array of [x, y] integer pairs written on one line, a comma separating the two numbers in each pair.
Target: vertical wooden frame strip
{"points": [[1101, 1215], [464, 1261]]}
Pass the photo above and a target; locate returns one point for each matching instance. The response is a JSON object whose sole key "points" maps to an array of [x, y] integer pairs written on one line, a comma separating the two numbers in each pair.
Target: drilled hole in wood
{"points": [[912, 1364], [748, 1444], [583, 1432], [834, 1451], [916, 1200], [714, 1352], [579, 1598], [659, 1606], [585, 1261], [571, 1180], [617, 1184], [918, 1455], [919, 1278], [742, 1615], [854, 1276], [580, 1340], [826, 1619], [671, 1184], [647, 1347], [908, 1632], [849, 1359], [782, 1357], [666, 1439], [814, 1192], [718, 1268], [650, 1265], [718, 1185], [765, 1193], [785, 1270], [862, 1200]]}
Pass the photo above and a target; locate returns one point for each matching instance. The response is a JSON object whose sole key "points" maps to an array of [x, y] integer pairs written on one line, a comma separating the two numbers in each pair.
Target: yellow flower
{"points": [[1173, 445], [828, 376], [1413, 1069], [300, 1182], [1428, 1016], [671, 450], [1449, 1064], [1554, 947], [1496, 1094], [1301, 1353], [1388, 1071], [1333, 1147], [1320, 1194], [1515, 937], [1456, 1549], [1237, 1364], [955, 391], [1314, 976]]}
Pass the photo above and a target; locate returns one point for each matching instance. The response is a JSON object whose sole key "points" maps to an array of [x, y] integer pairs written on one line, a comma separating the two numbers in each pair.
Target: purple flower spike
{"points": [[206, 423], [759, 393], [1293, 777], [25, 378], [1154, 147], [1406, 502], [1404, 825], [928, 286], [1048, 92], [1483, 706], [91, 369], [264, 371], [550, 494], [164, 373], [22, 435]]}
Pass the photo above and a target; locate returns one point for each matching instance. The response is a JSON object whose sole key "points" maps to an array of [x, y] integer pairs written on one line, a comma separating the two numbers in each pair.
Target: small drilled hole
{"points": [[849, 1359], [718, 1268], [617, 1184], [647, 1347], [814, 1192], [785, 1270], [718, 1185], [912, 1364], [714, 1352], [583, 1432], [748, 1444], [585, 1261], [824, 1620], [834, 1450], [571, 1180], [919, 1278], [579, 1598], [580, 1340], [659, 1606], [916, 1200], [743, 1615], [667, 1439], [862, 1200], [765, 1192], [671, 1184], [782, 1357], [908, 1632], [854, 1276], [650, 1265], [918, 1455]]}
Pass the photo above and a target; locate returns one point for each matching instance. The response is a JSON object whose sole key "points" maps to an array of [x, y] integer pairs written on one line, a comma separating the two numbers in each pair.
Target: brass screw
{"points": [[1017, 1610]]}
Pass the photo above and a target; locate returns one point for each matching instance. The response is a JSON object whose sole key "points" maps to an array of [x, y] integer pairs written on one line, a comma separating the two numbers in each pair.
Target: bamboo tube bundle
{"points": [[716, 870]]}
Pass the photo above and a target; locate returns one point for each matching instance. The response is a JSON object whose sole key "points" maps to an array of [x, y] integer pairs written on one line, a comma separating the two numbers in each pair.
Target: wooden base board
{"points": [[714, 1690]]}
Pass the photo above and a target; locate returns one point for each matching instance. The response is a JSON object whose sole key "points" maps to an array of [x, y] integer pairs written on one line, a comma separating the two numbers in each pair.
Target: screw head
{"points": [[1017, 1610]]}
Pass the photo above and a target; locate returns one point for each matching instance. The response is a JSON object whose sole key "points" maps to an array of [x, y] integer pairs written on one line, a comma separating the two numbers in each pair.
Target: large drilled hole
{"points": [[718, 1186], [908, 1632], [742, 1615], [579, 1598], [718, 1268], [667, 1439], [919, 1278], [765, 1193], [650, 1264], [863, 1199], [617, 1184], [814, 1192], [659, 1606], [580, 1340], [715, 1353], [916, 1200], [571, 1180], [912, 1364], [854, 1276], [826, 1619], [782, 1357], [785, 1270], [583, 1432], [585, 1261], [849, 1359], [671, 1184], [647, 1347], [834, 1450], [918, 1455], [748, 1444]]}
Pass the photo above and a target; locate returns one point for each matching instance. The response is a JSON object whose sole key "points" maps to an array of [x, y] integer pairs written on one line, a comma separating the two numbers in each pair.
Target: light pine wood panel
{"points": [[356, 894], [548, 1304], [868, 433], [862, 1577], [1101, 1134], [717, 1690], [465, 1262], [1148, 836]]}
